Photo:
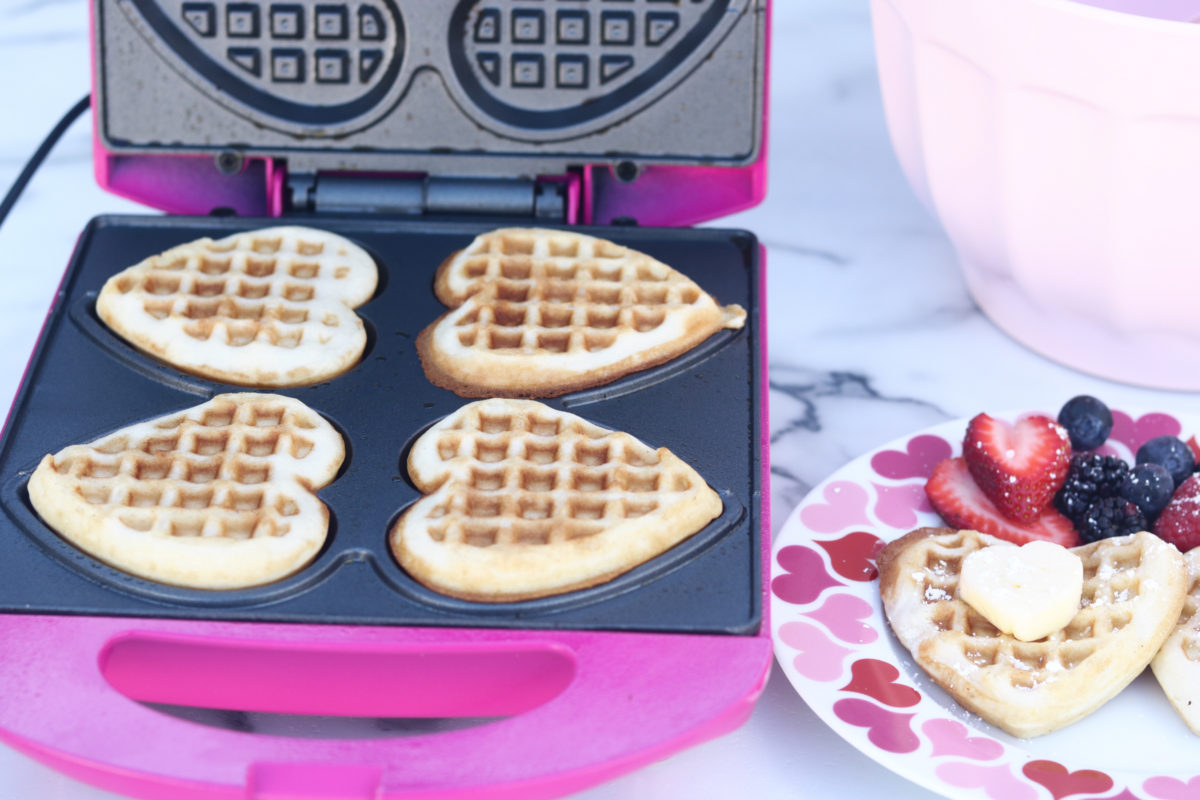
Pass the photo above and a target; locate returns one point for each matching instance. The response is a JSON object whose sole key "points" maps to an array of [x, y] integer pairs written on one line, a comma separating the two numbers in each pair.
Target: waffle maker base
{"points": [[580, 687]]}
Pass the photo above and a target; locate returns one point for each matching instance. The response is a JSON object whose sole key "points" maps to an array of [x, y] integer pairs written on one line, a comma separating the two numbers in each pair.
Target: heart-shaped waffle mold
{"points": [[1133, 590], [315, 67], [219, 496], [538, 68], [1177, 665], [271, 307], [538, 313], [525, 501]]}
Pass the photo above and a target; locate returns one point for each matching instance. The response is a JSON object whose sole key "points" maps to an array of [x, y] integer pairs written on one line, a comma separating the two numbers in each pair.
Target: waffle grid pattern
{"points": [[196, 477], [1189, 622], [269, 307], [522, 501], [566, 294], [539, 480], [1111, 586], [252, 287]]}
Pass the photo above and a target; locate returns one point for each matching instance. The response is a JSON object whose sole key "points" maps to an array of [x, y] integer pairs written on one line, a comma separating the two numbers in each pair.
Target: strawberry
{"points": [[1179, 522], [962, 504], [1194, 446], [1019, 467]]}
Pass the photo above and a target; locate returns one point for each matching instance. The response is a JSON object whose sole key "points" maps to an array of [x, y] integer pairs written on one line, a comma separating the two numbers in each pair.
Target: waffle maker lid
{"points": [[572, 111]]}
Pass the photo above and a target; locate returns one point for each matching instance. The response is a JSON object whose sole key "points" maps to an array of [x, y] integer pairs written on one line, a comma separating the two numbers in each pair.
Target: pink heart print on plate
{"points": [[845, 504], [843, 615], [805, 576], [887, 730], [853, 555], [819, 658], [996, 781], [1134, 433], [951, 738], [1125, 794], [1062, 782], [1172, 788], [877, 679], [920, 456], [898, 505]]}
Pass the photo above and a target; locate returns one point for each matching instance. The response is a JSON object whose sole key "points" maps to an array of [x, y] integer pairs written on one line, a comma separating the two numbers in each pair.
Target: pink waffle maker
{"points": [[409, 127]]}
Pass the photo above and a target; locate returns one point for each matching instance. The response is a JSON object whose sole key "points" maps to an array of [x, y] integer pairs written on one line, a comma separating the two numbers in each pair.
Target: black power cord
{"points": [[38, 157]]}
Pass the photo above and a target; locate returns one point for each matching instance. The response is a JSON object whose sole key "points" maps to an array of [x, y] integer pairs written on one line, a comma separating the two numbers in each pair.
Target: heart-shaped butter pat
{"points": [[1028, 591]]}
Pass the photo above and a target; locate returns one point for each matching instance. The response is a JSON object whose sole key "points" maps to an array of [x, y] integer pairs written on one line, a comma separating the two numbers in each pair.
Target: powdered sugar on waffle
{"points": [[525, 501], [271, 307], [1133, 590], [539, 312], [1177, 665], [219, 496]]}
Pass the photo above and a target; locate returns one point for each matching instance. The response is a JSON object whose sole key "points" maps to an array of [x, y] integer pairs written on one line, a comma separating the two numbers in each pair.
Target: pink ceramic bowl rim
{"points": [[1157, 11]]}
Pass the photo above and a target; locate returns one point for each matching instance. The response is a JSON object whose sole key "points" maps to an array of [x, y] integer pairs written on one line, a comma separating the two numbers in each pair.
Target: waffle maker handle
{"points": [[569, 708]]}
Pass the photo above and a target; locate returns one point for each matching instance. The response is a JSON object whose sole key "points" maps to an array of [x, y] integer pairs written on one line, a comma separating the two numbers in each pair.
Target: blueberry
{"points": [[1087, 420], [1170, 452], [1149, 487]]}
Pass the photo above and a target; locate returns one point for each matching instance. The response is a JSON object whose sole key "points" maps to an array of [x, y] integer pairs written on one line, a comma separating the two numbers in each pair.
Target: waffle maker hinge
{"points": [[542, 200]]}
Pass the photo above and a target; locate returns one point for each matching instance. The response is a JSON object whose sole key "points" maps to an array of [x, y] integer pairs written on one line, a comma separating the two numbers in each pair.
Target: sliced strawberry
{"points": [[1179, 522], [1019, 467], [955, 495]]}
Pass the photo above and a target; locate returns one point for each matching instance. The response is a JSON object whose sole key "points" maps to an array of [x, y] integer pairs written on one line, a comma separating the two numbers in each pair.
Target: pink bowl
{"points": [[1059, 145]]}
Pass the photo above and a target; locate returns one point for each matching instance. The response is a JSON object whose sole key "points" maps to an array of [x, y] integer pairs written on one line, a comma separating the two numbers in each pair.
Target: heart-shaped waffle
{"points": [[1133, 590], [219, 496], [271, 307], [524, 501], [538, 313], [1177, 665]]}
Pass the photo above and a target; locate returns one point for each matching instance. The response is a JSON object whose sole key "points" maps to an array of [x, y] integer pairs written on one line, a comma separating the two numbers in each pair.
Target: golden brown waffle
{"points": [[524, 501], [271, 307], [1177, 665], [1133, 589], [538, 313], [219, 496]]}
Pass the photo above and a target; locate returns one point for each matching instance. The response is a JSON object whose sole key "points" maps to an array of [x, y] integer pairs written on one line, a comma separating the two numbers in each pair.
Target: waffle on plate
{"points": [[1177, 665], [1133, 590]]}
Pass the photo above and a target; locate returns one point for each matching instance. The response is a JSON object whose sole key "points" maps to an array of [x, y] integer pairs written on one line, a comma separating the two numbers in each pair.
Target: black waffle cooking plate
{"points": [[84, 382]]}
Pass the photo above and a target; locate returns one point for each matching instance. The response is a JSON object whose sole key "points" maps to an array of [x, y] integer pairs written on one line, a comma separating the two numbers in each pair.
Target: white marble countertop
{"points": [[872, 332]]}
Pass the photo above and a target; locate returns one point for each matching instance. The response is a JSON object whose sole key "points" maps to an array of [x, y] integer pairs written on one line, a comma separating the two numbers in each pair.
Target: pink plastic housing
{"points": [[578, 708], [1055, 141]]}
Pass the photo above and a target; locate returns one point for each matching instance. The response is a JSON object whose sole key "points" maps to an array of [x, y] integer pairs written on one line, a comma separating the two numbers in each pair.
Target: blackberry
{"points": [[1090, 477], [1109, 517], [1087, 421]]}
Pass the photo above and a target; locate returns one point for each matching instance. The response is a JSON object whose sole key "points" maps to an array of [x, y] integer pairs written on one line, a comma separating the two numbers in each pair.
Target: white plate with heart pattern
{"points": [[834, 644]]}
